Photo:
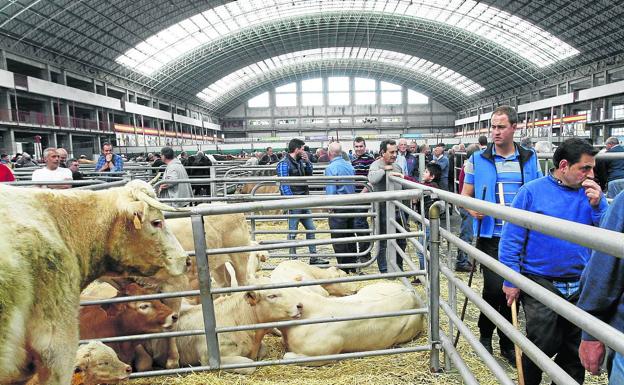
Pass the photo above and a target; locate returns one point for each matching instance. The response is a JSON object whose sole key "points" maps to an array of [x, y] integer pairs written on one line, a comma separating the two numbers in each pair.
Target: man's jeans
{"points": [[421, 256], [615, 187], [308, 223], [465, 234], [617, 370]]}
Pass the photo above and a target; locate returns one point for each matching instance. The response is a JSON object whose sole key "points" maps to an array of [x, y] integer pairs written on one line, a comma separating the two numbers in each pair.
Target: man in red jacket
{"points": [[6, 175]]}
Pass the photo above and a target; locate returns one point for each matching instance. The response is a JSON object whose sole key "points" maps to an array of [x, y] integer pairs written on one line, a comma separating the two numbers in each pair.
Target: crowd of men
{"points": [[507, 173]]}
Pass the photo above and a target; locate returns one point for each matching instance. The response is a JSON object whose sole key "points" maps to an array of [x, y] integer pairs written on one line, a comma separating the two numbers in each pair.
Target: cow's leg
{"points": [[56, 347], [174, 284], [143, 361], [262, 351], [292, 355]]}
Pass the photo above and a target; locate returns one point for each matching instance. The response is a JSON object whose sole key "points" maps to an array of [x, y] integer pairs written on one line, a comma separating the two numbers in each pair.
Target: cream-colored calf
{"points": [[356, 335]]}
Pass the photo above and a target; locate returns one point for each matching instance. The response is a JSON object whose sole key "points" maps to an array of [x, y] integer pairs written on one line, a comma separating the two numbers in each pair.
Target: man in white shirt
{"points": [[52, 172]]}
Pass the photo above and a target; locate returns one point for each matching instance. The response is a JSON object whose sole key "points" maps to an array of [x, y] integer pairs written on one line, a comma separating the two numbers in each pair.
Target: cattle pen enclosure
{"points": [[468, 364], [400, 369]]}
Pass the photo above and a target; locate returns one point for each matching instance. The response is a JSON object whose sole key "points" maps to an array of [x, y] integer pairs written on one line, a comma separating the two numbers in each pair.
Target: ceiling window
{"points": [[508, 31]]}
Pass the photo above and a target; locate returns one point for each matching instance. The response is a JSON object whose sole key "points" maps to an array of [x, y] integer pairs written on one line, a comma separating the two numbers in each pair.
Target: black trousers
{"points": [[336, 223], [493, 295], [553, 334]]}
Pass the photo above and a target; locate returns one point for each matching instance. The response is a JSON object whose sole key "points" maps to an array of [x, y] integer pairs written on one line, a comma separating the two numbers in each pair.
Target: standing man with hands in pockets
{"points": [[569, 193]]}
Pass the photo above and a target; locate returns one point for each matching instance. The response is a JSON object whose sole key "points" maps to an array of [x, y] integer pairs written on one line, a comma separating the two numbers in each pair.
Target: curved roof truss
{"points": [[421, 67], [489, 23]]}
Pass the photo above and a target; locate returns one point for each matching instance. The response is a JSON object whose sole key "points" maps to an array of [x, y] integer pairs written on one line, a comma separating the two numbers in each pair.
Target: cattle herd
{"points": [[61, 247]]}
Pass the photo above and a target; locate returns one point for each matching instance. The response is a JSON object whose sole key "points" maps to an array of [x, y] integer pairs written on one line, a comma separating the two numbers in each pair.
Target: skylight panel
{"points": [[499, 27]]}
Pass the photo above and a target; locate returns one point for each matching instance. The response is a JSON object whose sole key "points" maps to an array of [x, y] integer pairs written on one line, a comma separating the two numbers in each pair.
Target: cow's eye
{"points": [[272, 296], [144, 306], [158, 223]]}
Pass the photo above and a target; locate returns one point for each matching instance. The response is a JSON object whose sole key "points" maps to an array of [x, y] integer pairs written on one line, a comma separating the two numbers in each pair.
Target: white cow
{"points": [[297, 271], [52, 245], [226, 230], [236, 347], [356, 335]]}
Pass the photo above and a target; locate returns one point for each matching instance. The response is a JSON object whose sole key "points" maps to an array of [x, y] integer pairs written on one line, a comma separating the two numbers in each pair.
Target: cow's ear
{"points": [[110, 309], [136, 212], [252, 298]]}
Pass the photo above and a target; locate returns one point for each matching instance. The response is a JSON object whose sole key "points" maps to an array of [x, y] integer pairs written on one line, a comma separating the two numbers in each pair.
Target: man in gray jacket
{"points": [[377, 177], [174, 170]]}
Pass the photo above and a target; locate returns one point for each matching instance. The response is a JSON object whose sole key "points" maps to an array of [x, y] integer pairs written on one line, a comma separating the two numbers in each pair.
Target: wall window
{"points": [[414, 97], [312, 92], [338, 90], [339, 120], [286, 95], [366, 120], [365, 91], [259, 101], [338, 98], [259, 122], [395, 119], [286, 121], [314, 121], [391, 93]]}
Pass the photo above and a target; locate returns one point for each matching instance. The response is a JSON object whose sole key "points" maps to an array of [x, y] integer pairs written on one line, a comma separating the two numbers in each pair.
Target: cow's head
{"points": [[97, 363], [141, 317], [339, 289], [275, 304], [140, 241]]}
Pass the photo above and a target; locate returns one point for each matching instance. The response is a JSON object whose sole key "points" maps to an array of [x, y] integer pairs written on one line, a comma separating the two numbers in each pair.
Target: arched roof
{"points": [[487, 48]]}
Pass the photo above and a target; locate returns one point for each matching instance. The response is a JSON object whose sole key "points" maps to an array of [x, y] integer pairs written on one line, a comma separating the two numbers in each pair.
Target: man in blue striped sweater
{"points": [[361, 164], [569, 193]]}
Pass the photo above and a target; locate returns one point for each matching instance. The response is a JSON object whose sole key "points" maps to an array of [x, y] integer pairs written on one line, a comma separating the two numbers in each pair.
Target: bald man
{"points": [[338, 166]]}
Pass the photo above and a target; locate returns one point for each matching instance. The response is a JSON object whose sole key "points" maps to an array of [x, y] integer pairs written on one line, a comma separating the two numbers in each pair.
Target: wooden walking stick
{"points": [[472, 270], [514, 319]]}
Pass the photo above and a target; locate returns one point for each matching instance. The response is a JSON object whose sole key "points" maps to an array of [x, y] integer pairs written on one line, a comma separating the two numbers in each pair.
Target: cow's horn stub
{"points": [[155, 203]]}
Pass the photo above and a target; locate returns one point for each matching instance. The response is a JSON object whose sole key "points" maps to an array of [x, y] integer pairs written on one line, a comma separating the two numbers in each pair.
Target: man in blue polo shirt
{"points": [[338, 166], [495, 174]]}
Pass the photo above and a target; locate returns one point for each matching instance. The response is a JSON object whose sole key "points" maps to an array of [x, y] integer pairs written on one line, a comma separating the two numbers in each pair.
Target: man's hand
{"points": [[475, 214], [591, 354], [592, 191], [511, 293], [397, 174]]}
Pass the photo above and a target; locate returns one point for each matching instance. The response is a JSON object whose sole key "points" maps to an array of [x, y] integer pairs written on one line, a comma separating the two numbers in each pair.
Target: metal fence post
{"points": [[434, 287], [213, 185], [391, 253], [203, 272]]}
